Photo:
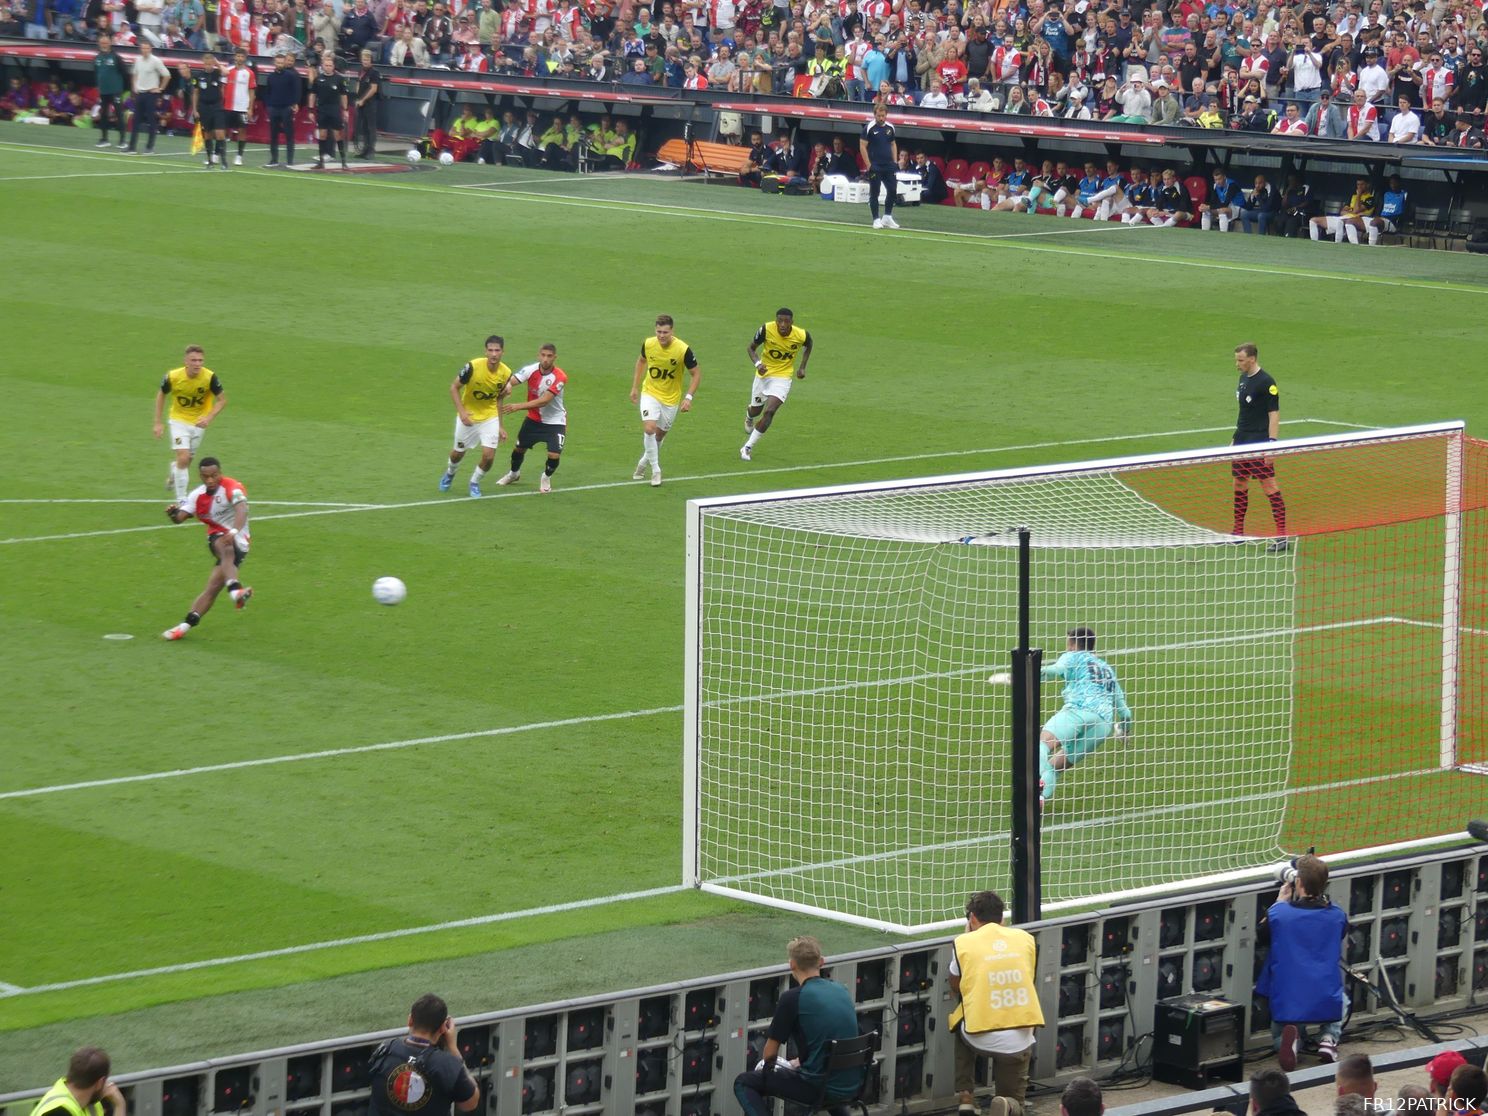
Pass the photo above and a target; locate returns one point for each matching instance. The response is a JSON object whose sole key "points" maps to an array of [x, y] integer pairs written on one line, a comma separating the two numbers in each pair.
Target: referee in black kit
{"points": [[283, 92], [1259, 421], [328, 94], [880, 152], [206, 106]]}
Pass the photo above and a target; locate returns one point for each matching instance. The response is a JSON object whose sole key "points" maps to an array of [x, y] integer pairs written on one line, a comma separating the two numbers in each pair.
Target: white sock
{"points": [[449, 469], [1352, 233], [1224, 222], [1374, 235], [480, 471], [651, 456], [1136, 218], [1206, 221], [182, 479], [754, 436], [1059, 210], [1312, 231]]}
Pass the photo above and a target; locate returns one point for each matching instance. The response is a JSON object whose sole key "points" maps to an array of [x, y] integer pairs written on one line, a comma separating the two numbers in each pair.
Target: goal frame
{"points": [[1454, 431]]}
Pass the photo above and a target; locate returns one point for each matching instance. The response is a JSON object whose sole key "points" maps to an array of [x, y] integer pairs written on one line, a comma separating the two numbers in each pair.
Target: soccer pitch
{"points": [[321, 801]]}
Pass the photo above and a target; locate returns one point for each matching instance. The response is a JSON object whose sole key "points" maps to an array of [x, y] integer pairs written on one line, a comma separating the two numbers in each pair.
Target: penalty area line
{"points": [[354, 940], [662, 710]]}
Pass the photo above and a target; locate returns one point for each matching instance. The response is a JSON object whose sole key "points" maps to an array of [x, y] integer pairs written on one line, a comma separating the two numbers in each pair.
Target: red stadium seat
{"points": [[1198, 189], [958, 170], [940, 164], [980, 169]]}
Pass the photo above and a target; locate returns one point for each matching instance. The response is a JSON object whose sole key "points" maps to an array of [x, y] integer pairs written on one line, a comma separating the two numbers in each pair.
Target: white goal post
{"points": [[846, 756]]}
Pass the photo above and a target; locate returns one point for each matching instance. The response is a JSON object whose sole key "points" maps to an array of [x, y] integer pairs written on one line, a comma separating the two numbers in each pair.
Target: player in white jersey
{"points": [[238, 91], [547, 415], [221, 503]]}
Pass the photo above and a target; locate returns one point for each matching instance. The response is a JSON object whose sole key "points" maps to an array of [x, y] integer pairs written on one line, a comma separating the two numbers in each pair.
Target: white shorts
{"points": [[487, 433], [778, 386], [185, 435], [654, 410]]}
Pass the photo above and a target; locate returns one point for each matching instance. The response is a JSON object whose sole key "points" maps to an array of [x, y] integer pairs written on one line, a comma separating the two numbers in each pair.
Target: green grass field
{"points": [[492, 758]]}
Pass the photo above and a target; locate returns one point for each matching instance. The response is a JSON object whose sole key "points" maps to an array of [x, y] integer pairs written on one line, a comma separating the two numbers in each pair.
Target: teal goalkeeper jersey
{"points": [[1090, 684]]}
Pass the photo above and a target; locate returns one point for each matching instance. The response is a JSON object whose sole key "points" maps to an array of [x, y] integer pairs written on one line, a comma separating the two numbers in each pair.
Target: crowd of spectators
{"points": [[1369, 70]]}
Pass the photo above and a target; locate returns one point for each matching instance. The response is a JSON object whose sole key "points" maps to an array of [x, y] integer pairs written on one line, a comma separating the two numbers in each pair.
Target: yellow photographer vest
{"points": [[997, 980]]}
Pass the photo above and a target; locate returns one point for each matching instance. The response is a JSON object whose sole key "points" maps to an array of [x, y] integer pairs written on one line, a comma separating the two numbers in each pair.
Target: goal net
{"points": [[847, 756]]}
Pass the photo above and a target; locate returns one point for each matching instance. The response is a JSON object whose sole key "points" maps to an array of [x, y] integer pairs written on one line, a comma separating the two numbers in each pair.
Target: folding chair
{"points": [[849, 1054]]}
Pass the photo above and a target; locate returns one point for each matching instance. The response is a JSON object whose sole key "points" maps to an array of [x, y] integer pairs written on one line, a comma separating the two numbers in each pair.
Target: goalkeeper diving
{"points": [[1095, 709]]}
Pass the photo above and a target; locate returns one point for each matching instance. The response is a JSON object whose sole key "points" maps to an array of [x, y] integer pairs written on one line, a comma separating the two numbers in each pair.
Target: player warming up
{"points": [[188, 389], [658, 389], [773, 352], [1094, 709], [477, 390], [221, 503], [547, 417], [1260, 418]]}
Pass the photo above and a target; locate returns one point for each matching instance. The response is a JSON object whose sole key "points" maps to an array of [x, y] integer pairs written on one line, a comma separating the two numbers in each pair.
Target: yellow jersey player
{"points": [[188, 389], [658, 389], [477, 390], [773, 352]]}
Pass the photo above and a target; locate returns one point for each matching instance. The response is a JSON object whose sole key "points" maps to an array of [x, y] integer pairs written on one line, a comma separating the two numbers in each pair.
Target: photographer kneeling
{"points": [[1302, 976]]}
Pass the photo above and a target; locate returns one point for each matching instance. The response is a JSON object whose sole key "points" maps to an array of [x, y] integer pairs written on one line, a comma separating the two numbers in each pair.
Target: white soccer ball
{"points": [[414, 155], [388, 591], [446, 159]]}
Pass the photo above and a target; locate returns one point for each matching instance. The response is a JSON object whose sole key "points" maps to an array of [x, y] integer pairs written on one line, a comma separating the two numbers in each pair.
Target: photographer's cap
{"points": [[1440, 1068]]}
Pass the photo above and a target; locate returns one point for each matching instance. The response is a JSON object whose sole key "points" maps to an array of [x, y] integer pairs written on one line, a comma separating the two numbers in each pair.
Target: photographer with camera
{"points": [[1302, 976], [85, 1091], [422, 1070]]}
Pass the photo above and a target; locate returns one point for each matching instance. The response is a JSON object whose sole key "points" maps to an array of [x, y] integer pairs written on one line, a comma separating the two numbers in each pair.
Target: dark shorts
{"points": [[232, 120], [330, 120], [534, 432], [1253, 468], [217, 559], [213, 120]]}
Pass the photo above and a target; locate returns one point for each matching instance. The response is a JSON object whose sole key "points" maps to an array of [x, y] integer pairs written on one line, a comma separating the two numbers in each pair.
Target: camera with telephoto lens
{"points": [[1285, 873]]}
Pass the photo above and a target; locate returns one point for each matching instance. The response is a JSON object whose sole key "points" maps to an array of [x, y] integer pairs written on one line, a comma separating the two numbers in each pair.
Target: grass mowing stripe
{"points": [[596, 718], [455, 501], [358, 939], [98, 174], [774, 221], [9, 990]]}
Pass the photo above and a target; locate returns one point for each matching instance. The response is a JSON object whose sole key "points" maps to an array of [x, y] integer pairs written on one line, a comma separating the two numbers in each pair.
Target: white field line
{"points": [[1088, 823], [95, 174], [8, 990], [336, 943], [775, 220], [159, 500], [455, 501], [596, 718]]}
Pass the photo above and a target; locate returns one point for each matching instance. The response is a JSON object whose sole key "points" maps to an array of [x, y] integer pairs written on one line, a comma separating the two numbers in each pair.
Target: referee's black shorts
{"points": [[213, 120], [1253, 468], [330, 120], [534, 432]]}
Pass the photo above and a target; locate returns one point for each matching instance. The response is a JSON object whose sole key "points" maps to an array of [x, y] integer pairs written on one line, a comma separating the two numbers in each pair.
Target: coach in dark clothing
{"points": [[422, 1071], [283, 92], [369, 92]]}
